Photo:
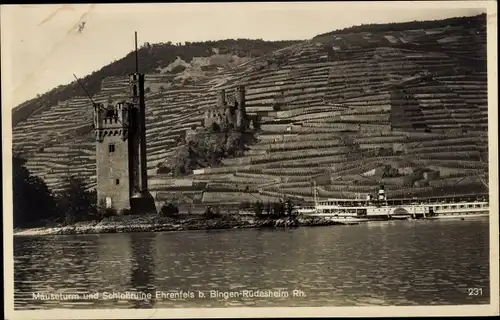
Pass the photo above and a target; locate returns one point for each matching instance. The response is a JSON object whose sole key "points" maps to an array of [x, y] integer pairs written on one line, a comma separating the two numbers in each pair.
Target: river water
{"points": [[376, 263]]}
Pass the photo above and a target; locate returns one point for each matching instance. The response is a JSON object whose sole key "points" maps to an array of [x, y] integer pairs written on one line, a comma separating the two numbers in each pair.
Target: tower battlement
{"points": [[111, 119]]}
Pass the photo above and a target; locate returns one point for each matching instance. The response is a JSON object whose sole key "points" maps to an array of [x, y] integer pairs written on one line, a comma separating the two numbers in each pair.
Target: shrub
{"points": [[258, 208], [208, 212], [103, 211], [169, 210], [244, 205], [212, 212], [125, 212], [289, 206], [163, 170], [390, 172], [178, 69], [215, 127], [108, 212]]}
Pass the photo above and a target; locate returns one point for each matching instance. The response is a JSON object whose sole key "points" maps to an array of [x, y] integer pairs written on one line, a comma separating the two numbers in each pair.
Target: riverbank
{"points": [[155, 223]]}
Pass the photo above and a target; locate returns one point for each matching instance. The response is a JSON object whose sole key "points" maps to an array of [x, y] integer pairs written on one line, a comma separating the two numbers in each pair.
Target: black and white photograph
{"points": [[258, 159]]}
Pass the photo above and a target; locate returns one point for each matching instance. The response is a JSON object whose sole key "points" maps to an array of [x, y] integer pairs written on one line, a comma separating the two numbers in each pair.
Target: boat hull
{"points": [[354, 218], [347, 219], [459, 216], [399, 217]]}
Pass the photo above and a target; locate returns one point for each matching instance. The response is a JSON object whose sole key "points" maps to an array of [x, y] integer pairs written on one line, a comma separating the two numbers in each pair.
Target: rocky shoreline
{"points": [[121, 224]]}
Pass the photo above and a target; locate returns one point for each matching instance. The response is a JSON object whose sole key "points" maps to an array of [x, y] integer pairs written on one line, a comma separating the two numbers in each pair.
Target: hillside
{"points": [[153, 58], [405, 106]]}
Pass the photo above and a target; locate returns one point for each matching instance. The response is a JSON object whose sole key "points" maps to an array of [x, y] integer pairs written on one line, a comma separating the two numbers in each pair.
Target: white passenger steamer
{"points": [[380, 208]]}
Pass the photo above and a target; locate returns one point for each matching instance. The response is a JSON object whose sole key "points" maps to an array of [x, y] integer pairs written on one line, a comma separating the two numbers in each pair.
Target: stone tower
{"points": [[122, 181], [112, 153], [240, 107]]}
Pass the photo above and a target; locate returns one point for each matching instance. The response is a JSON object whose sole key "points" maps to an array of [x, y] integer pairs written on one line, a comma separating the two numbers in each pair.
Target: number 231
{"points": [[475, 291]]}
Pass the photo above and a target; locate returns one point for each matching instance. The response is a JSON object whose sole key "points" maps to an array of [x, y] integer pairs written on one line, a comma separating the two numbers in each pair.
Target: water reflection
{"points": [[142, 268], [114, 262], [400, 263]]}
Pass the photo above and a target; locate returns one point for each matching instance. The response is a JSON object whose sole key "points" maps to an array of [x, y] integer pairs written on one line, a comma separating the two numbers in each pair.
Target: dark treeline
{"points": [[265, 210], [35, 205], [475, 21], [273, 210], [151, 58], [32, 200], [262, 210]]}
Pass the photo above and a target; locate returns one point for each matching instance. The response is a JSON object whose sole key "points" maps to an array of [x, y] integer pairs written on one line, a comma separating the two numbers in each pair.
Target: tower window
{"points": [[111, 148], [117, 181]]}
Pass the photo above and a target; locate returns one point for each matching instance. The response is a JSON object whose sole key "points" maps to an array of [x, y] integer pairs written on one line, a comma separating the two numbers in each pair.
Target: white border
{"points": [[481, 310]]}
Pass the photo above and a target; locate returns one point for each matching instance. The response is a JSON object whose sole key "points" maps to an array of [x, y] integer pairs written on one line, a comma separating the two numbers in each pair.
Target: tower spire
{"points": [[136, 55]]}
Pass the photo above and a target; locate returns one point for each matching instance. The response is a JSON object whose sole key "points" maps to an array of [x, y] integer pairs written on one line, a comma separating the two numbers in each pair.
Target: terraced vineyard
{"points": [[407, 109]]}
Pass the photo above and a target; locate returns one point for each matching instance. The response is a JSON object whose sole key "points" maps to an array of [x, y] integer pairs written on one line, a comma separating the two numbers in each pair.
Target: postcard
{"points": [[271, 159]]}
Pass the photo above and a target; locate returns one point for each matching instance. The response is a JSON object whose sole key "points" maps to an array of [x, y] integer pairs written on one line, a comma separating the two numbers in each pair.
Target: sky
{"points": [[42, 48]]}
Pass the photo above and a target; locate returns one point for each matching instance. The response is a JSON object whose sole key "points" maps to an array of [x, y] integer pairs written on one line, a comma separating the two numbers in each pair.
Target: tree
{"points": [[76, 202], [208, 212], [278, 209], [244, 205], [234, 144], [258, 208], [32, 199], [212, 212], [268, 208], [289, 205]]}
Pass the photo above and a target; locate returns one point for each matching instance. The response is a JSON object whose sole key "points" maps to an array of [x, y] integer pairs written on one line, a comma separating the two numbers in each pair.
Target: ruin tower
{"points": [[141, 200], [122, 180], [240, 107]]}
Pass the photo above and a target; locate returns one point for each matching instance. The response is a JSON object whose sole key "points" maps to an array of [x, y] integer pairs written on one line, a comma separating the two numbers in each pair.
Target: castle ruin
{"points": [[229, 112]]}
